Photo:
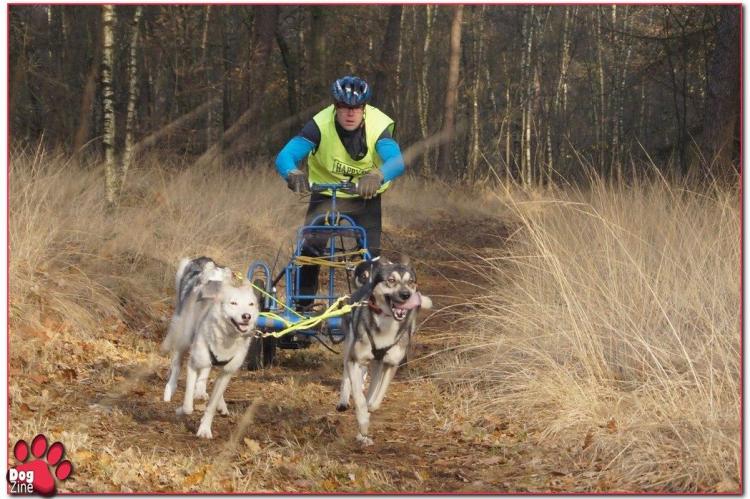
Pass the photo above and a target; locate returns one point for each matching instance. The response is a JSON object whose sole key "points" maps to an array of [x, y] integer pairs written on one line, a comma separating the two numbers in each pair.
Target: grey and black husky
{"points": [[214, 320], [378, 334]]}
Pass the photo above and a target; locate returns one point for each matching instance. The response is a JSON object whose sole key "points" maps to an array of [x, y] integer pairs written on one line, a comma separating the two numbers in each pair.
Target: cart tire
{"points": [[261, 353]]}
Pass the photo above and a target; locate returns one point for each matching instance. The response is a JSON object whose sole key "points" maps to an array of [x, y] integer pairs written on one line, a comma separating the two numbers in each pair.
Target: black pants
{"points": [[365, 213]]}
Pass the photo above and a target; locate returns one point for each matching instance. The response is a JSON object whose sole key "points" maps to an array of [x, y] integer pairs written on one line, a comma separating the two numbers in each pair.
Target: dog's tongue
{"points": [[413, 302]]}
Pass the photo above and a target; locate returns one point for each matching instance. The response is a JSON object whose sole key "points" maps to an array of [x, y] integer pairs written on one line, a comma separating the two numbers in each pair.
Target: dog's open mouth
{"points": [[242, 327], [400, 309]]}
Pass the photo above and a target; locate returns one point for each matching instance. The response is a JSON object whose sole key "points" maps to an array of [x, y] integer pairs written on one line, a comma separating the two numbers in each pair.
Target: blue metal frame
{"points": [[329, 225]]}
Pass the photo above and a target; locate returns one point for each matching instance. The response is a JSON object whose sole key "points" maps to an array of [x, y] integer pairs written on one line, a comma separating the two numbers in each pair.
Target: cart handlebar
{"points": [[347, 186]]}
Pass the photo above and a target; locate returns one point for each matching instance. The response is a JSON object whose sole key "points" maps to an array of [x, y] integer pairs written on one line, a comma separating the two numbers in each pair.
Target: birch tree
{"points": [[108, 139], [475, 133], [127, 154]]}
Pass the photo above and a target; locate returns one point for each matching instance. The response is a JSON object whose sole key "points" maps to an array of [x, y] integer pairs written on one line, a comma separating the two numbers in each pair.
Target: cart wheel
{"points": [[261, 353]]}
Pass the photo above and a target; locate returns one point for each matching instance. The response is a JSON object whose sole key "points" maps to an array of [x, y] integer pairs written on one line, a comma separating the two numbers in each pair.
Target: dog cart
{"points": [[283, 322]]}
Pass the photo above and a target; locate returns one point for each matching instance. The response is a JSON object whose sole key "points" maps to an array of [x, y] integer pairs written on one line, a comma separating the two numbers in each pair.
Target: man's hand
{"points": [[369, 184], [296, 180]]}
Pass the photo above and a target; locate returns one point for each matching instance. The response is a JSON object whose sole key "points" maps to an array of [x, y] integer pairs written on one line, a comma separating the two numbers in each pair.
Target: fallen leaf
{"points": [[26, 408], [588, 440], [329, 484], [612, 425], [37, 378], [197, 477]]}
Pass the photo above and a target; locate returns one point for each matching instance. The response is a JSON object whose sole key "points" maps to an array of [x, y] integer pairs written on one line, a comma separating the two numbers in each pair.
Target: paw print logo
{"points": [[36, 476]]}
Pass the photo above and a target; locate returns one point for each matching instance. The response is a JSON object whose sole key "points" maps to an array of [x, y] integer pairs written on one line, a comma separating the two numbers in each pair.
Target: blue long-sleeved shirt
{"points": [[300, 146]]}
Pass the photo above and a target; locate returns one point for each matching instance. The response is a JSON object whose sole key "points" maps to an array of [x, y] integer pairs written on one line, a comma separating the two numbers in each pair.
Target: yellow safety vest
{"points": [[331, 163]]}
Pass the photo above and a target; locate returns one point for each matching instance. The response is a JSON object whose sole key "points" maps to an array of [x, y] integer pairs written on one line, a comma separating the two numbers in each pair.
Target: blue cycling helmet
{"points": [[350, 91]]}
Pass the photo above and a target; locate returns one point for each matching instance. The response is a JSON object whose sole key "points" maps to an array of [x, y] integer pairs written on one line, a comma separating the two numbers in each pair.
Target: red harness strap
{"points": [[375, 309]]}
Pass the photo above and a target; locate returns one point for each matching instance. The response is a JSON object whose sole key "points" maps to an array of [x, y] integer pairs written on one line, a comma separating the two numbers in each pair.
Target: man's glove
{"points": [[369, 184], [296, 180]]}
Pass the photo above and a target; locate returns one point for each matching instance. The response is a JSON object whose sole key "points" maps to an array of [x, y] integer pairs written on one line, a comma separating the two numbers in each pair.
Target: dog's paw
{"points": [[200, 396], [373, 407], [204, 431], [168, 392], [364, 441], [341, 407], [181, 411]]}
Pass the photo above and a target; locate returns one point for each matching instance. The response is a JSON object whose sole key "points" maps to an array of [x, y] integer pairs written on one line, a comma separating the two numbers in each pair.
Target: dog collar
{"points": [[217, 362], [375, 309]]}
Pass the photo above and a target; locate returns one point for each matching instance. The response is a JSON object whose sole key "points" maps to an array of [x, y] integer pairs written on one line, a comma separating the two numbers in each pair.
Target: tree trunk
{"points": [[618, 108], [382, 88], [83, 131], [207, 64], [423, 89], [127, 154], [721, 122], [559, 114], [528, 76], [451, 92], [476, 132], [291, 61], [108, 139], [601, 132], [317, 45], [397, 87]]}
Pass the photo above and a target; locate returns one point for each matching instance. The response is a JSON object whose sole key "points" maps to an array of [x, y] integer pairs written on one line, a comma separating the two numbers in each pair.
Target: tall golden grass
{"points": [[612, 327]]}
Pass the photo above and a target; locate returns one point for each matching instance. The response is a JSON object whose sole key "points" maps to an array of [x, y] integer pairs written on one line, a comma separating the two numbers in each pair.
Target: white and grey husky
{"points": [[215, 321], [378, 334]]}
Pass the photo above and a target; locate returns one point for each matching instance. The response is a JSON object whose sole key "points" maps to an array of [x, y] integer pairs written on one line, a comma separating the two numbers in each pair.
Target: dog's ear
{"points": [[426, 302], [210, 291]]}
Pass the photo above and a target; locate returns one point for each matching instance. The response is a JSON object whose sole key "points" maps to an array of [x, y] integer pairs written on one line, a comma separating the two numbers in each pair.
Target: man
{"points": [[349, 139]]}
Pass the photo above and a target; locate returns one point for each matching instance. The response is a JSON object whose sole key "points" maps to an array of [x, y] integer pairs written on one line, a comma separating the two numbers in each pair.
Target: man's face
{"points": [[349, 117]]}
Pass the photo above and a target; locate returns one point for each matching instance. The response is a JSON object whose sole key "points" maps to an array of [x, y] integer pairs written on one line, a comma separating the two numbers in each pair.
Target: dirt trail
{"points": [[112, 413]]}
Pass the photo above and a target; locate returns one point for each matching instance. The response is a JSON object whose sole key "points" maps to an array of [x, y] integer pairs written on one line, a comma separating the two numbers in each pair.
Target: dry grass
{"points": [[612, 327]]}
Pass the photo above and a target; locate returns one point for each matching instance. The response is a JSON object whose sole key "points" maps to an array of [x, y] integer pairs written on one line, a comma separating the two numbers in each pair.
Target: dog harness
{"points": [[216, 362], [379, 353]]}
